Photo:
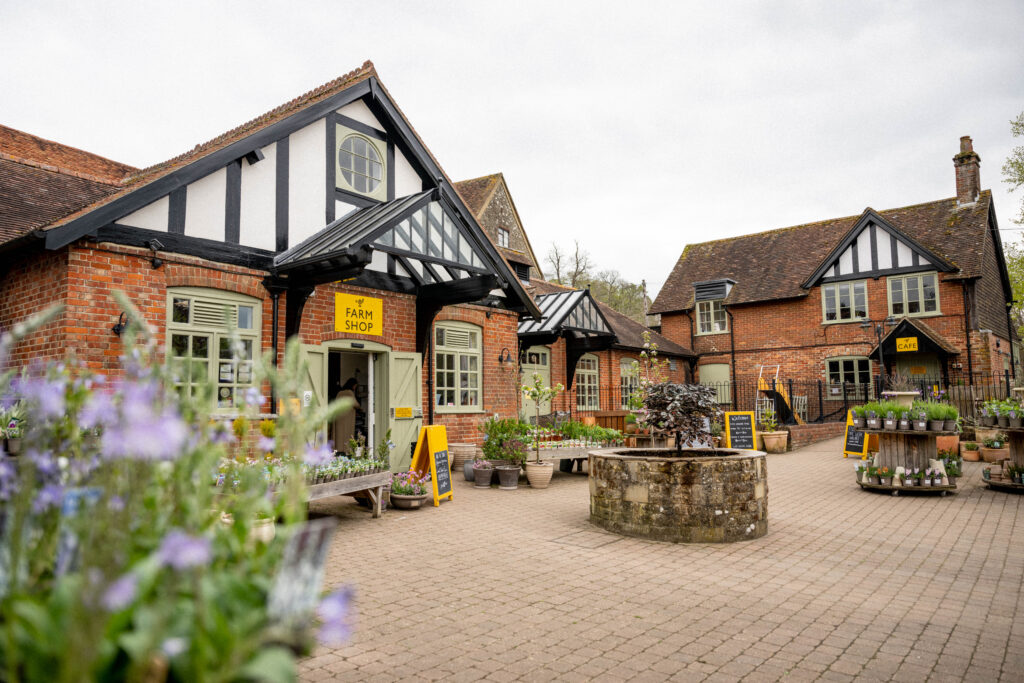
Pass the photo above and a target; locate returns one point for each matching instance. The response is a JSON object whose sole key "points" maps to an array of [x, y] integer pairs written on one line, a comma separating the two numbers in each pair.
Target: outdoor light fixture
{"points": [[122, 322], [878, 335], [155, 246], [505, 356]]}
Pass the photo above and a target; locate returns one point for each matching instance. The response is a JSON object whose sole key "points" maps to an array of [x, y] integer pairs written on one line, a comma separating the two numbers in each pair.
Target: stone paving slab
{"points": [[847, 585]]}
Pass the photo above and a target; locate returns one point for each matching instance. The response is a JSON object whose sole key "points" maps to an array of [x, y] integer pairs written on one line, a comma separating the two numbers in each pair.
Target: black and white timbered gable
{"points": [[874, 248], [334, 185]]}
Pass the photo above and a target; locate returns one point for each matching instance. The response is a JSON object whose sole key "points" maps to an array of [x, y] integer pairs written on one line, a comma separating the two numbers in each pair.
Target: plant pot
{"points": [[14, 446], [904, 398], [920, 425], [467, 470], [1015, 422], [401, 502], [508, 477], [885, 481], [969, 455], [952, 480], [482, 477], [950, 425], [1004, 421], [994, 454], [874, 423], [986, 474], [775, 442], [890, 425], [936, 425], [858, 423], [539, 474], [631, 427], [905, 425]]}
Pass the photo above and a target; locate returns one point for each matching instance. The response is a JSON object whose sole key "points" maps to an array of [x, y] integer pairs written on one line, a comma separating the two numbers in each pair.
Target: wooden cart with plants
{"points": [[1006, 416], [908, 457]]}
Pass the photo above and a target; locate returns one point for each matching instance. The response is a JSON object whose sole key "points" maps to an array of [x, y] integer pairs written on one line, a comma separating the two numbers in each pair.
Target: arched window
{"points": [[200, 324], [587, 395], [458, 369]]}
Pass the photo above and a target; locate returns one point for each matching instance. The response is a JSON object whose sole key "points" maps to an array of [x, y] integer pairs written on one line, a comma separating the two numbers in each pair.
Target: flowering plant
{"points": [[481, 464], [539, 394], [410, 484], [117, 559]]}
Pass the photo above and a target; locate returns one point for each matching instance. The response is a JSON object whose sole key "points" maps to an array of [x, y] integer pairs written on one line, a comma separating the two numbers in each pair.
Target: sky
{"points": [[634, 128]]}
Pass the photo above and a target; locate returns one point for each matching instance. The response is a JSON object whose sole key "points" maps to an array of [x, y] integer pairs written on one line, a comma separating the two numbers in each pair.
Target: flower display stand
{"points": [[908, 449], [1015, 438], [371, 484]]}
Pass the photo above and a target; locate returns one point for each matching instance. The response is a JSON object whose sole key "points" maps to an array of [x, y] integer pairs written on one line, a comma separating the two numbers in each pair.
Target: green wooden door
{"points": [[314, 381], [919, 366], [716, 376], [405, 398], [536, 361]]}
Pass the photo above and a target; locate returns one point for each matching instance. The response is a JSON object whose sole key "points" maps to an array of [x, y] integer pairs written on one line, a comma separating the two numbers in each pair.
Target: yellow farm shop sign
{"points": [[358, 314], [906, 344]]}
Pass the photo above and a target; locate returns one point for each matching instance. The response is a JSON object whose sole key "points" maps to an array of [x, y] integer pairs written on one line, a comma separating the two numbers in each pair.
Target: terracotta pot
{"points": [[969, 455], [539, 474], [994, 454], [407, 502], [775, 442]]}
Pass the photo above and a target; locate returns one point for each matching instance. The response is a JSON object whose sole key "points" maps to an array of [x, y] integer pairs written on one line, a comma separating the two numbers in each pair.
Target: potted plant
{"points": [[539, 473], [951, 418], [969, 451], [918, 477], [858, 417], [953, 472], [862, 472], [872, 474], [986, 474], [920, 422], [985, 419], [936, 413], [901, 389], [1014, 418], [409, 490], [995, 448], [889, 423], [904, 424], [774, 441], [716, 433], [630, 423], [884, 476], [871, 418], [514, 452], [482, 471], [1003, 419], [12, 427]]}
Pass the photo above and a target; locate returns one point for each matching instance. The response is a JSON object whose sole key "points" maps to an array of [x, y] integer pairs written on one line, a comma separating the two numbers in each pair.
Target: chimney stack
{"points": [[968, 179]]}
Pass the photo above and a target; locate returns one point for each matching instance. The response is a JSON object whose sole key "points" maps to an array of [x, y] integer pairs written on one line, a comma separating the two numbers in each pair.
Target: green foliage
{"points": [[585, 432], [680, 409], [497, 431], [768, 422], [1013, 168], [538, 393]]}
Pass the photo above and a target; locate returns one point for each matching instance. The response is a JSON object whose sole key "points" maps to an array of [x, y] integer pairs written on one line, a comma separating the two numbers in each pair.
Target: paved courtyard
{"points": [[847, 584]]}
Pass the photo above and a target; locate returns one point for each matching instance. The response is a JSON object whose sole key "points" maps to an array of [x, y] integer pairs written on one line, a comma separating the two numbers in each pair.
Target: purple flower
{"points": [[318, 455], [120, 593], [221, 433], [47, 396], [253, 397], [115, 504], [143, 433], [48, 496], [181, 551], [98, 411], [334, 611], [265, 444], [173, 647]]}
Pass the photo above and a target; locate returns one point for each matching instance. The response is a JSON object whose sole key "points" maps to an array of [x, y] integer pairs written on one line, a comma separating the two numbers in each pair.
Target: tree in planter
{"points": [[538, 393], [680, 409], [648, 371]]}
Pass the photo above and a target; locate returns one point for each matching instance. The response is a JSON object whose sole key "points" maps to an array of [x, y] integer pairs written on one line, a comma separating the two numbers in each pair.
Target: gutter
{"points": [[732, 340], [967, 330]]}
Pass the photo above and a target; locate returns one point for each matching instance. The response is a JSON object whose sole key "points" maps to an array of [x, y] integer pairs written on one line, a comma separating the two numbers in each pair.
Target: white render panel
{"points": [[378, 262], [905, 256], [846, 261], [831, 272], [407, 181], [884, 249], [864, 251], [360, 112], [307, 175], [150, 217], [342, 209], [204, 206], [259, 191]]}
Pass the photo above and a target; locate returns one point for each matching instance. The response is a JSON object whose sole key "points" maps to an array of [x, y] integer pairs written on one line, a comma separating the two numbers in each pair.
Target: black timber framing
{"points": [[212, 250], [233, 203], [281, 194], [176, 212], [433, 297], [869, 217], [577, 345], [331, 147]]}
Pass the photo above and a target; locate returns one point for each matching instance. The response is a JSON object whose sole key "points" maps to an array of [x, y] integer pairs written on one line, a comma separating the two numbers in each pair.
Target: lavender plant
{"points": [[115, 563]]}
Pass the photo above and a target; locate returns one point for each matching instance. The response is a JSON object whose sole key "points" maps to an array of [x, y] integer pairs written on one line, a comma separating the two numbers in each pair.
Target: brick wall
{"points": [[32, 283], [804, 435]]}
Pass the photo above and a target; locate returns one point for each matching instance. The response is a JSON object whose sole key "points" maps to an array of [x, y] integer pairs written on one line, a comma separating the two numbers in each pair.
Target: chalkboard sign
{"points": [[739, 431], [856, 442], [431, 455]]}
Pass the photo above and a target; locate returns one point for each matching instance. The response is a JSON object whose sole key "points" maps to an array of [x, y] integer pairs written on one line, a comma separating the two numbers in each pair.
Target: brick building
{"points": [[326, 218], [813, 300]]}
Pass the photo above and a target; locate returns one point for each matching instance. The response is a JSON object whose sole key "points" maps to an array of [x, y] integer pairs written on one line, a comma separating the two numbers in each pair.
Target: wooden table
{"points": [[908, 449], [371, 484]]}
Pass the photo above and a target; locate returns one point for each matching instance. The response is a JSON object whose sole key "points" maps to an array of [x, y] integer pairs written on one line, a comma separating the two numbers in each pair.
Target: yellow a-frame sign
{"points": [[431, 455]]}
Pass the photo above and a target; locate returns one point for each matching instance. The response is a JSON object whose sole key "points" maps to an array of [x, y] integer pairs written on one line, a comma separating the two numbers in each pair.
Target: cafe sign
{"points": [[358, 314], [906, 344]]}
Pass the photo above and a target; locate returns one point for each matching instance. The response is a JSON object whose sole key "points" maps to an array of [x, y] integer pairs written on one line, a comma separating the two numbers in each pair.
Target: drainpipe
{"points": [[1009, 334], [732, 342], [692, 362], [275, 300], [430, 375], [967, 334]]}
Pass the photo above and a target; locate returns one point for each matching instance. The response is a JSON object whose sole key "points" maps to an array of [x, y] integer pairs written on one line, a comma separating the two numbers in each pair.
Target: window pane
{"points": [[225, 347], [860, 305], [847, 370], [200, 347], [828, 293], [245, 317], [928, 287], [439, 337], [179, 345], [179, 310], [844, 302]]}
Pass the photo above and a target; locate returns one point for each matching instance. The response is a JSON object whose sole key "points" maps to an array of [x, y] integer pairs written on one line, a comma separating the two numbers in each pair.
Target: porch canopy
{"points": [[914, 336], [572, 315], [418, 245]]}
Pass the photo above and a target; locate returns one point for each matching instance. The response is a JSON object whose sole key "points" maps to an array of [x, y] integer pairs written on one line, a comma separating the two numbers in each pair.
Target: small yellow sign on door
{"points": [[358, 314], [906, 344]]}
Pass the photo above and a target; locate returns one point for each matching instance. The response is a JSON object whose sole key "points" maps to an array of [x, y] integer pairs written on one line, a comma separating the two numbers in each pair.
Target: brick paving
{"points": [[847, 585]]}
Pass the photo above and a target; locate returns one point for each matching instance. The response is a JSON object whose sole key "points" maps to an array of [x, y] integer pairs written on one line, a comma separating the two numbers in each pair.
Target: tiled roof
{"points": [[477, 191], [31, 197], [630, 333], [148, 175], [30, 150], [773, 265]]}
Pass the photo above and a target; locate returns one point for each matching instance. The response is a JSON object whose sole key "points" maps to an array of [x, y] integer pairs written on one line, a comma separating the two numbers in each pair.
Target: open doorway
{"points": [[351, 371]]}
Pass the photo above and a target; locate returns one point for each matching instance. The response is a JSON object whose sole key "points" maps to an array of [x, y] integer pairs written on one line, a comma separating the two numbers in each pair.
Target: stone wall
{"points": [[703, 499]]}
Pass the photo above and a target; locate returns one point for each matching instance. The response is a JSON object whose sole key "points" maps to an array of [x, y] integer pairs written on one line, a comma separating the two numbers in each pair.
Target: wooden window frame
{"points": [[834, 288], [589, 380], [857, 391], [456, 355], [902, 279], [711, 306]]}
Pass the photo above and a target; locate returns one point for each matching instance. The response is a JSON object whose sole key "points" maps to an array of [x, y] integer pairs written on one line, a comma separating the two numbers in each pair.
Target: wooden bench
{"points": [[370, 484]]}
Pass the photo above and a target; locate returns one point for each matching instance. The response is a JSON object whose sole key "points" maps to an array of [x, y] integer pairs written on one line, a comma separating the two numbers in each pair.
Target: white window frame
{"points": [[629, 381], [226, 373], [708, 312], [903, 281], [854, 389], [831, 293], [454, 373], [379, 147], [503, 238], [588, 383]]}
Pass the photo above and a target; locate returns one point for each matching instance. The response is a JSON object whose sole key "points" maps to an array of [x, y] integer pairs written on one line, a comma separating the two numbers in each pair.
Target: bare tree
{"points": [[556, 259], [580, 273]]}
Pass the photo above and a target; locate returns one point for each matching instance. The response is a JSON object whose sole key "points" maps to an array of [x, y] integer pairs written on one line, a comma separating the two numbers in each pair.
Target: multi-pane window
{"points": [[849, 375], [914, 294], [200, 329], [360, 163], [628, 381], [845, 301], [587, 397], [457, 366], [711, 317], [503, 237]]}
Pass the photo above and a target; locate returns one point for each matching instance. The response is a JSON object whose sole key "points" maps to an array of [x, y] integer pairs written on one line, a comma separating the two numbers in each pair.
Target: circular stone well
{"points": [[707, 495]]}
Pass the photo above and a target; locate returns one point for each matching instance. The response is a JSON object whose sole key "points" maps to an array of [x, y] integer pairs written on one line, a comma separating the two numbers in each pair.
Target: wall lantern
{"points": [[505, 357], [122, 322], [155, 246]]}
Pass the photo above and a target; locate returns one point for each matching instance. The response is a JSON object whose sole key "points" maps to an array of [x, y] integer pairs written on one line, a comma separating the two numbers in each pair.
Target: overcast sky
{"points": [[633, 127]]}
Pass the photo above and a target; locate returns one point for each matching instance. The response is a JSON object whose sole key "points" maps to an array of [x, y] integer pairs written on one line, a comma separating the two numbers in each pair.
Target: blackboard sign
{"points": [[856, 441], [431, 455], [739, 431]]}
